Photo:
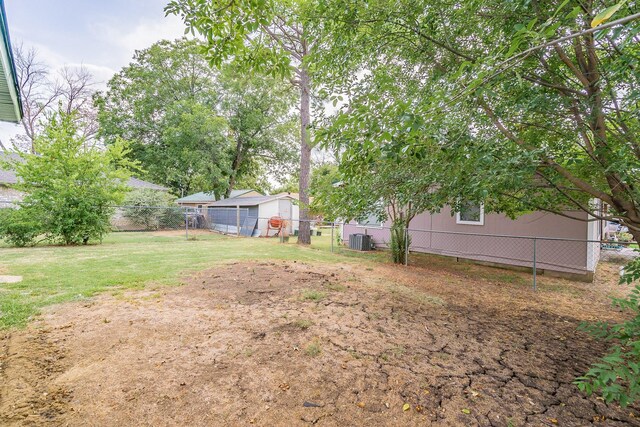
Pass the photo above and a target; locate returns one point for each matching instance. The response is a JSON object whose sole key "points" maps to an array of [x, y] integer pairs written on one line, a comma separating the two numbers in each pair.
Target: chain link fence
{"points": [[571, 258], [149, 218]]}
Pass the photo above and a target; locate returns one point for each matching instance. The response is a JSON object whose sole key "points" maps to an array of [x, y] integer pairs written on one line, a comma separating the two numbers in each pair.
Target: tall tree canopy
{"points": [[194, 128], [529, 114], [264, 37]]}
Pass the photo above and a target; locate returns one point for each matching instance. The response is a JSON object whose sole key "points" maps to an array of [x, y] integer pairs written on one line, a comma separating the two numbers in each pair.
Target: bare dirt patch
{"points": [[294, 344]]}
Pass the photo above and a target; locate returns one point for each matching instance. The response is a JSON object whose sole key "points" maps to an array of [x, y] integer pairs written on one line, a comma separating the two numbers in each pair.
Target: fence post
{"points": [[238, 221], [332, 225], [406, 246], [535, 285], [186, 223]]}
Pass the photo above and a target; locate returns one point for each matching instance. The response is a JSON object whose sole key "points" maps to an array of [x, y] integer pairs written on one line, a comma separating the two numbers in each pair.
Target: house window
{"points": [[370, 221], [470, 214], [199, 206]]}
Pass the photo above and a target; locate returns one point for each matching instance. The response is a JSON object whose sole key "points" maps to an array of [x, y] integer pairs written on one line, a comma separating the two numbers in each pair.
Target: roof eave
{"points": [[9, 66]]}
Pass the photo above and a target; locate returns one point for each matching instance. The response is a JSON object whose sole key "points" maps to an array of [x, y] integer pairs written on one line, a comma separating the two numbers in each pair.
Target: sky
{"points": [[102, 35]]}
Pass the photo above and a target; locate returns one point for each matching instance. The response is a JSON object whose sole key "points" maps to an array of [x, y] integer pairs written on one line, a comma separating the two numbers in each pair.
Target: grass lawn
{"points": [[254, 342], [54, 274]]}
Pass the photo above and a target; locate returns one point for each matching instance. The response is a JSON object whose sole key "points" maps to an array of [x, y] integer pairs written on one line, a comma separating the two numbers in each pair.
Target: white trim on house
{"points": [[370, 224], [479, 222], [378, 226]]}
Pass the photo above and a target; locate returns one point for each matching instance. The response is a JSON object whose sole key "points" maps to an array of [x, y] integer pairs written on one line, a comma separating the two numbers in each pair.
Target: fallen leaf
{"points": [[466, 411], [553, 420], [406, 407], [361, 404]]}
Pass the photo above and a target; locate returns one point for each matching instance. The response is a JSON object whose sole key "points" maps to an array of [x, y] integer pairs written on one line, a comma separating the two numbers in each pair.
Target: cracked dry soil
{"points": [[283, 344]]}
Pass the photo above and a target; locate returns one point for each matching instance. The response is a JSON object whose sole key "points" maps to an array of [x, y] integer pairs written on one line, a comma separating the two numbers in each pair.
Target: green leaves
{"points": [[631, 274], [257, 35], [617, 375], [606, 14], [70, 188], [195, 128]]}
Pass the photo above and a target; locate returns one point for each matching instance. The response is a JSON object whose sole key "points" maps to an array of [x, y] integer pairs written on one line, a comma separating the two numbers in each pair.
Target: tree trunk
{"points": [[399, 242], [304, 233], [234, 168]]}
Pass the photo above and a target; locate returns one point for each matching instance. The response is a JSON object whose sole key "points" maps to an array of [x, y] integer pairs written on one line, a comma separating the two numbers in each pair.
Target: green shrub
{"points": [[617, 375], [68, 187], [151, 209], [171, 217], [18, 228], [625, 237]]}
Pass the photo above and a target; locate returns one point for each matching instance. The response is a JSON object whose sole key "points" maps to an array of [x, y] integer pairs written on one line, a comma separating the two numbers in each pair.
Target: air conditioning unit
{"points": [[360, 242]]}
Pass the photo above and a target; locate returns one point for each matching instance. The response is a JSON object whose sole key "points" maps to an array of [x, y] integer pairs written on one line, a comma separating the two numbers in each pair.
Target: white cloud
{"points": [[148, 31], [101, 74], [102, 47]]}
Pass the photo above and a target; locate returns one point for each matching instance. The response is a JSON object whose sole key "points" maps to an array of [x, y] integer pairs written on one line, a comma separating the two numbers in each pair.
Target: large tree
{"points": [[195, 128], [266, 37], [164, 102], [548, 103], [258, 109]]}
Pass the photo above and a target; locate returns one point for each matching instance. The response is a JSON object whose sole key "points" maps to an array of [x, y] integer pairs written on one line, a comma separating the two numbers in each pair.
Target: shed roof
{"points": [[202, 196], [10, 102], [238, 193], [209, 197], [246, 201]]}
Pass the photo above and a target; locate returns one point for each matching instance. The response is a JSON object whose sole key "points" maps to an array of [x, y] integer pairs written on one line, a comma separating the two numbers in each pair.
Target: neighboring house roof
{"points": [[10, 102], [201, 197], [246, 201], [8, 177], [141, 184], [240, 193]]}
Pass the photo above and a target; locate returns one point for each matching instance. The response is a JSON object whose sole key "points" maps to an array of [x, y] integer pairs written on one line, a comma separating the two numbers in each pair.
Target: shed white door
{"points": [[284, 210]]}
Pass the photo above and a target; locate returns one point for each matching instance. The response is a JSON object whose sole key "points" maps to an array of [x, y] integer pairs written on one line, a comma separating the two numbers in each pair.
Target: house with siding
{"points": [[563, 246]]}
